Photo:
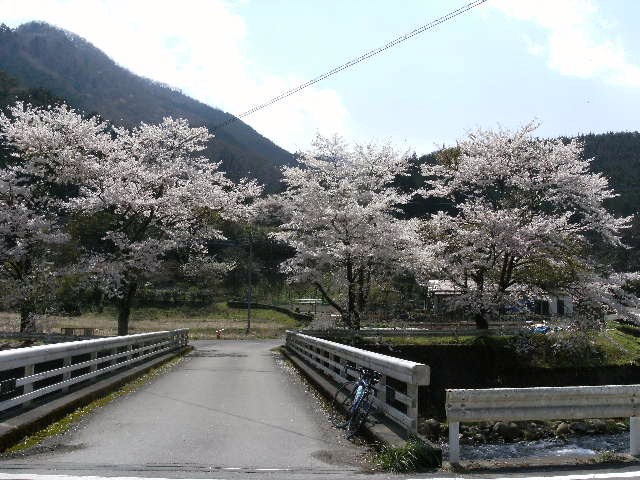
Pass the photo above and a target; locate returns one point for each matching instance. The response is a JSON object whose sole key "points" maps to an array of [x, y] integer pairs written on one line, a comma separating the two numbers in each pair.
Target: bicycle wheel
{"points": [[359, 417], [342, 403]]}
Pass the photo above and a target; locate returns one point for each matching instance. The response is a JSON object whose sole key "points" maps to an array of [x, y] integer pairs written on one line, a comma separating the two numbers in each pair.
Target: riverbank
{"points": [[566, 358]]}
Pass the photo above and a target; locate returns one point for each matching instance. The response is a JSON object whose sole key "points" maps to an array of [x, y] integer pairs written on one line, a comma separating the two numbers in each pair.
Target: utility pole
{"points": [[249, 280]]}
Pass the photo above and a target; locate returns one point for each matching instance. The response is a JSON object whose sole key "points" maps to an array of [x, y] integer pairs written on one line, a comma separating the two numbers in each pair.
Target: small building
{"points": [[556, 305], [440, 291]]}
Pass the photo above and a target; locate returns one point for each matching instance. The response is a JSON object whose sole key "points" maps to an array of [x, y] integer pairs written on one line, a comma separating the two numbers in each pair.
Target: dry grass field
{"points": [[202, 323]]}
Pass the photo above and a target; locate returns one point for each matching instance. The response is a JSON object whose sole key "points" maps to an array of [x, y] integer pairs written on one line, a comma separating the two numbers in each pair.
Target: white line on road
{"points": [[34, 476], [584, 476]]}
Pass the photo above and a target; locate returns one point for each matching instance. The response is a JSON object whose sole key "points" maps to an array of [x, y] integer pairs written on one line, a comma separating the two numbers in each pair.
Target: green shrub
{"points": [[415, 456]]}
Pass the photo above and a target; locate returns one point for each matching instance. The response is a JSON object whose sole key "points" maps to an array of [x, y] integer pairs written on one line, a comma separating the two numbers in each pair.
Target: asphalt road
{"points": [[230, 406], [231, 410]]}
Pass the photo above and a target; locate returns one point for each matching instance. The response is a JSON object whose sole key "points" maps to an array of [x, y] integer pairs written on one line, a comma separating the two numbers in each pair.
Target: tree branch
{"points": [[329, 300]]}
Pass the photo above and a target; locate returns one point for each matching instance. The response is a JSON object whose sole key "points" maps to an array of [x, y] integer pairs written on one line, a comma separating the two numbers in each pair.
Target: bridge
{"points": [[229, 407], [227, 410]]}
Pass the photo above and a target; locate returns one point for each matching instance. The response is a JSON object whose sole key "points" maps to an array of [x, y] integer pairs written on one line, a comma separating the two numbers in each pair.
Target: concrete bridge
{"points": [[228, 410]]}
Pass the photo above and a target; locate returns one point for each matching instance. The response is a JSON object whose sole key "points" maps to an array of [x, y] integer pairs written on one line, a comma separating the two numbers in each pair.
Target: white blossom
{"points": [[339, 207], [524, 213], [152, 186]]}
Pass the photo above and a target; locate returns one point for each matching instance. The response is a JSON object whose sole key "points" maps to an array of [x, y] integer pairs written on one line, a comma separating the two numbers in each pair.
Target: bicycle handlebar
{"points": [[366, 373]]}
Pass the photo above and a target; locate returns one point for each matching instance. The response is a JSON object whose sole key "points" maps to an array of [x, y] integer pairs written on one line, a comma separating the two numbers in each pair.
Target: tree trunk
{"points": [[124, 308], [351, 297], [100, 301], [481, 321], [27, 320], [355, 321]]}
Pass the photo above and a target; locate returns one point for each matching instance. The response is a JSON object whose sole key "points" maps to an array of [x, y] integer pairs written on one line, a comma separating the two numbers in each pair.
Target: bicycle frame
{"points": [[363, 389], [362, 402]]}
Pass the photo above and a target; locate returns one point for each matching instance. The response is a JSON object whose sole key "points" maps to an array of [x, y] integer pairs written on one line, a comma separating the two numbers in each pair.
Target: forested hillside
{"points": [[616, 155], [39, 55]]}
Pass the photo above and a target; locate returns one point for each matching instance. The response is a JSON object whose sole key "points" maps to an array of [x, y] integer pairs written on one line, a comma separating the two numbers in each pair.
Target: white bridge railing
{"points": [[397, 391], [33, 372], [542, 403]]}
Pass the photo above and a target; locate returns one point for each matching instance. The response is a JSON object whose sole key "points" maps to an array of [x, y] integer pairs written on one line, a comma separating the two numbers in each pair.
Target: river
{"points": [[550, 447]]}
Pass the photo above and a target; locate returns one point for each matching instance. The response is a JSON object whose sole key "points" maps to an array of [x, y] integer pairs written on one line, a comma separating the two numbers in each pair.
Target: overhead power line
{"points": [[351, 63]]}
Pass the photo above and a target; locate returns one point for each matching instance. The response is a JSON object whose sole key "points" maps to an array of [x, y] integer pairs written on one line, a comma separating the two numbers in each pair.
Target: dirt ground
{"points": [[231, 322]]}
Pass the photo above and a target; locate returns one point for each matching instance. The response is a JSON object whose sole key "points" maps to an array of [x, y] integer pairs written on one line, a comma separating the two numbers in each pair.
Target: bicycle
{"points": [[353, 401]]}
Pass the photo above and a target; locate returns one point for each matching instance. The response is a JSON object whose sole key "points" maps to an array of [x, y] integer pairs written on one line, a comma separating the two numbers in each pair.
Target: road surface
{"points": [[231, 410], [230, 406]]}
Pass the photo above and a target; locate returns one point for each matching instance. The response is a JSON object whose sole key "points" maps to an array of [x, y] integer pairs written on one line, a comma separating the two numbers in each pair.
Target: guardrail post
{"points": [[412, 410], [634, 436], [454, 442]]}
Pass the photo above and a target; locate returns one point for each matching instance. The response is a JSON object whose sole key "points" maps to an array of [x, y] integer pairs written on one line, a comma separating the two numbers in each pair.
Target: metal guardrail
{"points": [[33, 372], [78, 331], [542, 403], [397, 391]]}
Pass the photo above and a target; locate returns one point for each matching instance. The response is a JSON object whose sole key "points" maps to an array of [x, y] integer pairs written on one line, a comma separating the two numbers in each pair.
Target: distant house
{"points": [[439, 292], [560, 305], [555, 305]]}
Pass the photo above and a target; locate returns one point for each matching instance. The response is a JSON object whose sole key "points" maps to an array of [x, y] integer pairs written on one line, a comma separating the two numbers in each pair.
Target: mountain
{"points": [[617, 156], [41, 56]]}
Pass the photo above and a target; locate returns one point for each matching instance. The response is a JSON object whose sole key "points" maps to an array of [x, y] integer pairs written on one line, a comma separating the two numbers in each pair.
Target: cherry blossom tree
{"points": [[339, 208], [29, 236], [148, 190], [525, 212]]}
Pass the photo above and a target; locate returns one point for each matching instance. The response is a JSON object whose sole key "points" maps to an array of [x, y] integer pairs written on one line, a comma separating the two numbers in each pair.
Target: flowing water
{"points": [[551, 447]]}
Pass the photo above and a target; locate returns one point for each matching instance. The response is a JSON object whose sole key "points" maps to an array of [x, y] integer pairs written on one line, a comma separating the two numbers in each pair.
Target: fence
{"points": [[542, 403], [410, 332], [30, 373], [397, 391], [437, 327]]}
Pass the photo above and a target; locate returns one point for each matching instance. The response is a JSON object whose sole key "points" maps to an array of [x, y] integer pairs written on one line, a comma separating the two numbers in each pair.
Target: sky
{"points": [[572, 65]]}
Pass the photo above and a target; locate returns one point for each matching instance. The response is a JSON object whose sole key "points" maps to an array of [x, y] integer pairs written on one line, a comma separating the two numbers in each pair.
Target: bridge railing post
{"points": [[387, 392], [93, 356], [412, 410], [66, 362], [28, 387]]}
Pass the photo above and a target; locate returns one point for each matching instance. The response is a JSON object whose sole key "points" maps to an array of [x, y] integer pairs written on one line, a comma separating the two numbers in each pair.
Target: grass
{"points": [[202, 322], [608, 456], [414, 456], [66, 423], [429, 340], [618, 344]]}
